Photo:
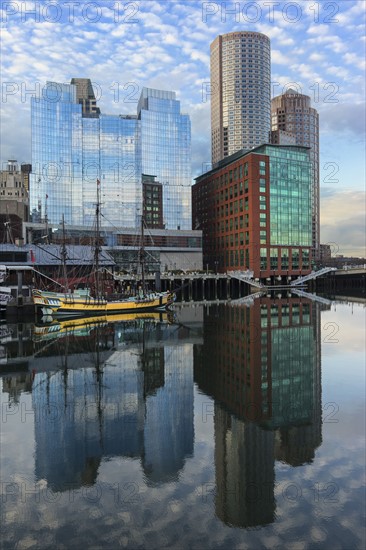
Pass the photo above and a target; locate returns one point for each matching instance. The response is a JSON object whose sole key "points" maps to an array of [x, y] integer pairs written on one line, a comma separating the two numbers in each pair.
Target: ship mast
{"points": [[64, 255], [97, 245], [142, 255]]}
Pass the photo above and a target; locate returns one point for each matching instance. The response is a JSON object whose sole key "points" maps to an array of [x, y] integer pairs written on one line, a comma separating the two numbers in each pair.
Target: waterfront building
{"points": [[165, 148], [85, 96], [14, 185], [152, 191], [74, 145], [240, 92], [254, 209], [281, 137], [291, 113], [325, 254], [165, 249]]}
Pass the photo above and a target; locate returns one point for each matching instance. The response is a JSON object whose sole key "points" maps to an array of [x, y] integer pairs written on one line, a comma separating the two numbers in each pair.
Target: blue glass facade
{"points": [[71, 151], [166, 153]]}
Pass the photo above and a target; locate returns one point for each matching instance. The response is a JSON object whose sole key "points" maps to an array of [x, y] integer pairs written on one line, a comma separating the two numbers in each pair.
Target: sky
{"points": [[317, 47]]}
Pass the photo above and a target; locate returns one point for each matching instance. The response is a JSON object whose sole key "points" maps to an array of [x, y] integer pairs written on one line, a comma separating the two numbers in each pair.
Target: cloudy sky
{"points": [[318, 47]]}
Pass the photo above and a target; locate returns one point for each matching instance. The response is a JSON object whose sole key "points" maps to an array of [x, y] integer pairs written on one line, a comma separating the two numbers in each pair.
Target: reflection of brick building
{"points": [[261, 362], [254, 209]]}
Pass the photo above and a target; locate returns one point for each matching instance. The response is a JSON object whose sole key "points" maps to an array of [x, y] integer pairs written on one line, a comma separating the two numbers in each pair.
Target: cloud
{"points": [[343, 118], [342, 220], [316, 57], [279, 58], [306, 72], [353, 59], [320, 29]]}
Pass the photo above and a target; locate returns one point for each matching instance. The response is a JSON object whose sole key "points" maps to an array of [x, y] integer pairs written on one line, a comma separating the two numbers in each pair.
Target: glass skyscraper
{"points": [[73, 147]]}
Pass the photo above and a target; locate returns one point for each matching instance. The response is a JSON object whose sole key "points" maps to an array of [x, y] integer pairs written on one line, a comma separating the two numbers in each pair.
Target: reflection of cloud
{"points": [[338, 333], [342, 219]]}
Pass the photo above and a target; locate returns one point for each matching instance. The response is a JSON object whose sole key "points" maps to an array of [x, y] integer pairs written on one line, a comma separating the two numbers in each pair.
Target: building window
{"points": [[263, 258], [274, 258]]}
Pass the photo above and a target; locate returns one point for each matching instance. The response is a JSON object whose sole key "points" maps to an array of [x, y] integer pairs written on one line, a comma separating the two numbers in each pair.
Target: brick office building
{"points": [[254, 209]]}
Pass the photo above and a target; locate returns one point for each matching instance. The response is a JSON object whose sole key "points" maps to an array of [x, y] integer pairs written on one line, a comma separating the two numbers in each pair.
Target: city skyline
{"points": [[166, 45]]}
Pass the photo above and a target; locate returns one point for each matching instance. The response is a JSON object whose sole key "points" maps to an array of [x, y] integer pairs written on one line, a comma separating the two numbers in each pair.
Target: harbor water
{"points": [[234, 425]]}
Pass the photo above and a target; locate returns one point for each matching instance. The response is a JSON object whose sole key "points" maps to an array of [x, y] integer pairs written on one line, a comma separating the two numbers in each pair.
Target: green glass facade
{"points": [[290, 195]]}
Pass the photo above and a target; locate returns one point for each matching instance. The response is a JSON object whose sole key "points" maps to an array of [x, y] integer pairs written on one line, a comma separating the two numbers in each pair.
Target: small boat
{"points": [[82, 304]]}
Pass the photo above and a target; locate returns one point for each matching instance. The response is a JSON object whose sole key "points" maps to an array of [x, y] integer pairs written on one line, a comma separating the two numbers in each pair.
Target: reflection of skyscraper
{"points": [[81, 419], [139, 405], [296, 444], [17, 384], [244, 471], [168, 429], [261, 363]]}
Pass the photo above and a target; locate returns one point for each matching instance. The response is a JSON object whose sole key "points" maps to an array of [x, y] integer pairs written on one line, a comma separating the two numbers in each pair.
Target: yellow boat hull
{"points": [[70, 305]]}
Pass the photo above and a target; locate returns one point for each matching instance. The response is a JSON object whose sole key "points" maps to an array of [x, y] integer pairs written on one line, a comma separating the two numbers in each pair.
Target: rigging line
{"points": [[120, 229], [46, 251], [43, 275]]}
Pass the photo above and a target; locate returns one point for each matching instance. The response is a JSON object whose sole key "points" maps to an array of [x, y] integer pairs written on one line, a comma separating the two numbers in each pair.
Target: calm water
{"points": [[229, 426]]}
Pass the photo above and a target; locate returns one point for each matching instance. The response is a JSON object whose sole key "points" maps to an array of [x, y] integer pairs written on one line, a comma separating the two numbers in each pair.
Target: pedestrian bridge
{"points": [[312, 275], [246, 277]]}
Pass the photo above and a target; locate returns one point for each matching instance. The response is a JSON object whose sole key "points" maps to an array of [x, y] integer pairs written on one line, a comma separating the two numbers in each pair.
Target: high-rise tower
{"points": [[241, 92], [292, 112], [74, 145]]}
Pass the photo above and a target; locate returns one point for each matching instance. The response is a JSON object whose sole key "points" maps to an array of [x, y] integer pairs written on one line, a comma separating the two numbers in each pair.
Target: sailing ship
{"points": [[83, 304]]}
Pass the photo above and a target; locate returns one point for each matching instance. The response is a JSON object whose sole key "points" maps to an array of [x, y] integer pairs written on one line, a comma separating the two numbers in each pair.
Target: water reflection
{"points": [[104, 394], [261, 364], [117, 392]]}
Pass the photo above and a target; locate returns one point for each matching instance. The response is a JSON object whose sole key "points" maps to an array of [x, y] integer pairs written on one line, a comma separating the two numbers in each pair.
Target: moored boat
{"points": [[75, 304], [82, 304]]}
